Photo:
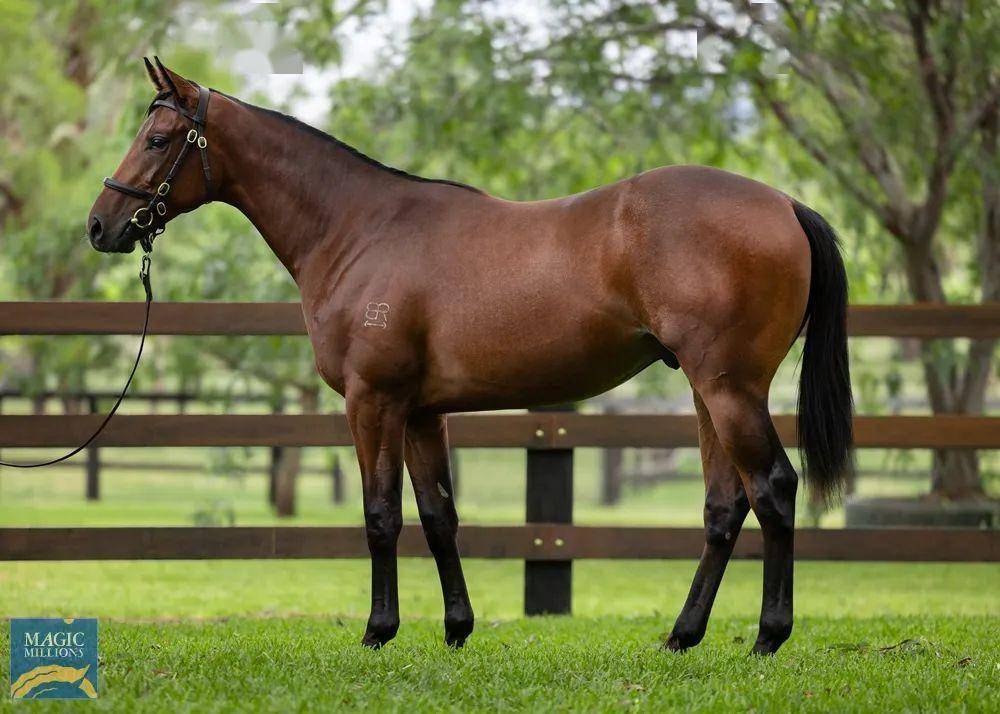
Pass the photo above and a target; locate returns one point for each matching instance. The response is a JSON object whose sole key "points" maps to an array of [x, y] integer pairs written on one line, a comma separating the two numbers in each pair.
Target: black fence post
{"points": [[93, 462], [548, 584]]}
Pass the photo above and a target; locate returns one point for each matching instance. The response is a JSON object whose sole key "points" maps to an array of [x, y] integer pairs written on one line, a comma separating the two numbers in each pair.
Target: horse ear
{"points": [[184, 91], [153, 76]]}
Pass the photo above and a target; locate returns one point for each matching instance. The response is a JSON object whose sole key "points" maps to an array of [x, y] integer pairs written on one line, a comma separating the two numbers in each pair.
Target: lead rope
{"points": [[144, 269]]}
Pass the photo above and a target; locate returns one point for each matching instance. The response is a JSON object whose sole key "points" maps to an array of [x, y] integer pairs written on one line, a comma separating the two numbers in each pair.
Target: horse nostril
{"points": [[96, 229]]}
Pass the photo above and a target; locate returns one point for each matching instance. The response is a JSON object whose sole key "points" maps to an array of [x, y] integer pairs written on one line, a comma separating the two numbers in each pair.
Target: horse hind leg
{"points": [[726, 507], [747, 434]]}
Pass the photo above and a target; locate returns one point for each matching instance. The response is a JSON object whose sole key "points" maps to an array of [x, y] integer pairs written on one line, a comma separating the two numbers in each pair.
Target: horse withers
{"points": [[423, 297]]}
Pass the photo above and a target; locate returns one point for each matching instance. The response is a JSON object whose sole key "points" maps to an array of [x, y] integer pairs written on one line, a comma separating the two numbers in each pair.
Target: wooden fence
{"points": [[548, 542]]}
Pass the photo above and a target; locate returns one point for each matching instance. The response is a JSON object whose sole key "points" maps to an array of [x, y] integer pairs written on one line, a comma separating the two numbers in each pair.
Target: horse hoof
{"points": [[457, 630], [682, 640], [377, 634], [674, 644], [764, 648]]}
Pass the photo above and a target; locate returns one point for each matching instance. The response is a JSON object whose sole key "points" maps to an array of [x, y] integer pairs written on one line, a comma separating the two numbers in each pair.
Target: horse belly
{"points": [[523, 363]]}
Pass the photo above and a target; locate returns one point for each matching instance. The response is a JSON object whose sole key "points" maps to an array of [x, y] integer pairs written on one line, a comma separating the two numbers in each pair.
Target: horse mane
{"points": [[309, 129]]}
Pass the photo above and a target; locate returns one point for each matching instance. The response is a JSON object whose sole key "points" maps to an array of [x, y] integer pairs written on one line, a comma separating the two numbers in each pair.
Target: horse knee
{"points": [[383, 524]]}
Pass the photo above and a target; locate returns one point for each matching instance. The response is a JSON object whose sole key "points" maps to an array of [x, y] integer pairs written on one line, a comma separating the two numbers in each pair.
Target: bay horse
{"points": [[423, 297]]}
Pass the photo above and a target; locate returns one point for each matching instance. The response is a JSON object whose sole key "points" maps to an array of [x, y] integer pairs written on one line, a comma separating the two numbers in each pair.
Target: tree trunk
{"points": [[284, 487], [290, 462], [954, 473]]}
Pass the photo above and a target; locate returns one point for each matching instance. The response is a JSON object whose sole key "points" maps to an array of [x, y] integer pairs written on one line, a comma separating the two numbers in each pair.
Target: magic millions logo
{"points": [[52, 658]]}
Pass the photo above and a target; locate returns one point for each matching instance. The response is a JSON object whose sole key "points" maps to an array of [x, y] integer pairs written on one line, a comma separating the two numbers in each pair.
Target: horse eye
{"points": [[158, 142]]}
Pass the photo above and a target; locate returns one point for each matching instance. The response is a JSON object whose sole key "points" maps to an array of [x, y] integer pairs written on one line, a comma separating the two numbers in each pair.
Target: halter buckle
{"points": [[161, 208], [163, 189], [202, 142], [192, 136], [137, 222]]}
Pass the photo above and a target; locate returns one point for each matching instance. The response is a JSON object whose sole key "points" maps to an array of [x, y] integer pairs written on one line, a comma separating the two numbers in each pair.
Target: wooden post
{"points": [[548, 584], [93, 462], [338, 479]]}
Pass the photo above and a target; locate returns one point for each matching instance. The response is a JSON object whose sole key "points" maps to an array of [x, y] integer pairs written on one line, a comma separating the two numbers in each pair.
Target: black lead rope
{"points": [[144, 277]]}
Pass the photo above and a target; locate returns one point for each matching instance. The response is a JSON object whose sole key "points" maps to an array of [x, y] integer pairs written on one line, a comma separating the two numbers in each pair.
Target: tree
{"points": [[895, 102]]}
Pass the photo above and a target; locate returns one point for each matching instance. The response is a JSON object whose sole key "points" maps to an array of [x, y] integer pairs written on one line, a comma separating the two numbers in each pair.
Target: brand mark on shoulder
{"points": [[377, 314]]}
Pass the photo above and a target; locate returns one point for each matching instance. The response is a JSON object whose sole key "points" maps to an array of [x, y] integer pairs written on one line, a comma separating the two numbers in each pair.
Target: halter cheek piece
{"points": [[151, 219]]}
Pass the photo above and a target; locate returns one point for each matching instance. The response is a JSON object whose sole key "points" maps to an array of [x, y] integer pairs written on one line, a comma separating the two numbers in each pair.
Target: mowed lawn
{"points": [[284, 636]]}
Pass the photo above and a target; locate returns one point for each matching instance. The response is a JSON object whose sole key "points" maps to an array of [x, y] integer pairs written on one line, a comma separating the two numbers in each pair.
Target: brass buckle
{"points": [[163, 189], [135, 218], [202, 142], [161, 208], [192, 136]]}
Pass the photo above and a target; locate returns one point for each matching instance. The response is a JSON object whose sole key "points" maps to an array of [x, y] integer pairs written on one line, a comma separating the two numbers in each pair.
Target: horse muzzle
{"points": [[106, 241]]}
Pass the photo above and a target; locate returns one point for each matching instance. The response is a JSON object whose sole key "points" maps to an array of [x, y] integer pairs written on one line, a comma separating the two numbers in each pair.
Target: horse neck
{"points": [[299, 190]]}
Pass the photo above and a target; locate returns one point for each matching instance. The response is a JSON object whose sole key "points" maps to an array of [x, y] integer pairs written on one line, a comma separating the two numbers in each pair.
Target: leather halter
{"points": [[151, 219]]}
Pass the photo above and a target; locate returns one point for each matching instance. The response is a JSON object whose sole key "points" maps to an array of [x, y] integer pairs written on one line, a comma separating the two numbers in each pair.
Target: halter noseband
{"points": [[150, 218]]}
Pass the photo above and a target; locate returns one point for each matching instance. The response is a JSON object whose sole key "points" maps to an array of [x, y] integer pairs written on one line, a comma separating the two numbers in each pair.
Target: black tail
{"points": [[826, 407]]}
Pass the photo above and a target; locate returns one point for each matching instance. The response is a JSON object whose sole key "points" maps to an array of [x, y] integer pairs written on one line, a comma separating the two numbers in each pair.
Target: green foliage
{"points": [[575, 94]]}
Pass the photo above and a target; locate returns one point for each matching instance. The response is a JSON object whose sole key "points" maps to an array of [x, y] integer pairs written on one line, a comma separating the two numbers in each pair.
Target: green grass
{"points": [[283, 636], [544, 665]]}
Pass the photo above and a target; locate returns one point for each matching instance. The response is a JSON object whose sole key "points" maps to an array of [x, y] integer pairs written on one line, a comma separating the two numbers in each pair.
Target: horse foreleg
{"points": [[726, 507], [378, 424], [426, 455]]}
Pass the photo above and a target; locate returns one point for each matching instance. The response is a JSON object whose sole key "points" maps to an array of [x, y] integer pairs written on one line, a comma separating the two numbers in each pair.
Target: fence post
{"points": [[93, 462], [548, 584]]}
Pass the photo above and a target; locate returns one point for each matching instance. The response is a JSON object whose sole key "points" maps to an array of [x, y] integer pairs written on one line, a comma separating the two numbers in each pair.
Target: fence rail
{"points": [[538, 542], [285, 318], [545, 430]]}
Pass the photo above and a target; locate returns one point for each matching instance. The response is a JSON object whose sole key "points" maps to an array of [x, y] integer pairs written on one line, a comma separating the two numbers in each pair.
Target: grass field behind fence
{"points": [[491, 491]]}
